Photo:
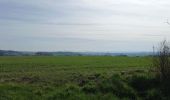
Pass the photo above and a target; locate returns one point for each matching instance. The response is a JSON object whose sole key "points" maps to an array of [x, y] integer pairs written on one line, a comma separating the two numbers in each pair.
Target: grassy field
{"points": [[60, 68], [70, 77]]}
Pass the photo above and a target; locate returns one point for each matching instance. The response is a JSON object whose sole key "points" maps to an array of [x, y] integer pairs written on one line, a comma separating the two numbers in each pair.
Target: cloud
{"points": [[98, 20]]}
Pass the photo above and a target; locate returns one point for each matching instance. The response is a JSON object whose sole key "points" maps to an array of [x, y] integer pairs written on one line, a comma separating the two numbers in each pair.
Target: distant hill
{"points": [[23, 53], [14, 53]]}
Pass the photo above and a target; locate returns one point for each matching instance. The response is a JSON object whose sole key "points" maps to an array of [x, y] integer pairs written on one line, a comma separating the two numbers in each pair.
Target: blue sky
{"points": [[83, 25]]}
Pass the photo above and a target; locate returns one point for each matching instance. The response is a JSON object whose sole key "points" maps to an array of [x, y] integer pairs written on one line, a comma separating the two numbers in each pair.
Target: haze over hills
{"points": [[66, 53]]}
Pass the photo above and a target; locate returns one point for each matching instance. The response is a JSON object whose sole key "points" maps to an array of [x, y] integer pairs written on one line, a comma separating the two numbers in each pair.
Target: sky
{"points": [[83, 25]]}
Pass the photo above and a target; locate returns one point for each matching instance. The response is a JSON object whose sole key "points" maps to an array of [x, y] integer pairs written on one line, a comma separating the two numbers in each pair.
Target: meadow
{"points": [[76, 78]]}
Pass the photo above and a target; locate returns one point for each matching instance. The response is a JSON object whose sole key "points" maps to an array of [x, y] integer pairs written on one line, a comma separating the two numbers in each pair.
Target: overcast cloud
{"points": [[83, 25]]}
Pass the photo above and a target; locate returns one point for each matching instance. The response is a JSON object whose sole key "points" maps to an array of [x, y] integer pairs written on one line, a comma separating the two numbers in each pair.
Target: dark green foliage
{"points": [[116, 86], [17, 92], [142, 82], [90, 88], [161, 63], [154, 94]]}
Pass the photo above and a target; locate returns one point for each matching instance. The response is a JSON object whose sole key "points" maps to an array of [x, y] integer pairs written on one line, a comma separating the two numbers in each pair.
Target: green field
{"points": [[13, 68], [69, 77]]}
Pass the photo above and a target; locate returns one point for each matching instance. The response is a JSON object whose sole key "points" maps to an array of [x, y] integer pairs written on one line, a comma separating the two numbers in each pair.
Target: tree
{"points": [[162, 62]]}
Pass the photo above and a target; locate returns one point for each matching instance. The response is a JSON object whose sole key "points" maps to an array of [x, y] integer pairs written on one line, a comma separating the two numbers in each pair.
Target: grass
{"points": [[71, 77], [61, 68]]}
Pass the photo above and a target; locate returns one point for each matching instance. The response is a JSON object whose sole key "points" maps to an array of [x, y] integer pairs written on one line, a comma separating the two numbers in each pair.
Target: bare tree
{"points": [[162, 62]]}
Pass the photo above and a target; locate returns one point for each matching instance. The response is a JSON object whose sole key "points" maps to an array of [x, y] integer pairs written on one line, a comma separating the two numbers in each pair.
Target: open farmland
{"points": [[45, 77], [12, 68]]}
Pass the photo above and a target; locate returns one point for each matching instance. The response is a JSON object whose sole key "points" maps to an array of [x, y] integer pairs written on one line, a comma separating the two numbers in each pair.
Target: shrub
{"points": [[161, 62], [142, 83], [118, 87], [154, 94], [90, 88]]}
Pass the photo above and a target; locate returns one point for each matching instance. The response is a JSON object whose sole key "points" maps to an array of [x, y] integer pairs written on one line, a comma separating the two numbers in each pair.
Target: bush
{"points": [[161, 62], [142, 83], [90, 88], [118, 87], [154, 94]]}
